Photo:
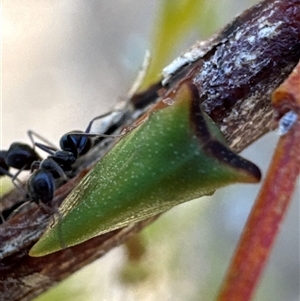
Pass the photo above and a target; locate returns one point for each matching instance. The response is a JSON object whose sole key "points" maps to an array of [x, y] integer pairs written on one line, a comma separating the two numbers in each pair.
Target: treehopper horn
{"points": [[175, 154]]}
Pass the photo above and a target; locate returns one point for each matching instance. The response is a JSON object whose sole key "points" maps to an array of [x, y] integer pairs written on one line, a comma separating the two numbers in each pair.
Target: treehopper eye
{"points": [[174, 155]]}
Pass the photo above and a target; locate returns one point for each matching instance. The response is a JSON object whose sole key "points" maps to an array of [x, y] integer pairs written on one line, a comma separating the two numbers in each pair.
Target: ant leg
{"points": [[57, 214], [11, 212], [96, 135], [33, 134], [47, 208], [14, 178], [5, 172], [116, 116], [96, 118], [48, 149], [35, 165], [2, 220]]}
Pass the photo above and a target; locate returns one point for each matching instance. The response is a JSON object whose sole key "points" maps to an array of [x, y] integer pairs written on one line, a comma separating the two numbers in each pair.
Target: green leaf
{"points": [[175, 21]]}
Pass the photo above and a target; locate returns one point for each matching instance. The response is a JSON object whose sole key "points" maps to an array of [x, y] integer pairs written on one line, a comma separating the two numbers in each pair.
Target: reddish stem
{"points": [[269, 209]]}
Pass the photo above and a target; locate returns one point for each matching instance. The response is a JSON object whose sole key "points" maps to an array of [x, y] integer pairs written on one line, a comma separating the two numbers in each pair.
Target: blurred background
{"points": [[64, 62]]}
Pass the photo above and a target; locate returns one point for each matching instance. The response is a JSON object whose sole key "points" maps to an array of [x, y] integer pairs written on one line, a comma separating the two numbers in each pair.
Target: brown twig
{"points": [[271, 205]]}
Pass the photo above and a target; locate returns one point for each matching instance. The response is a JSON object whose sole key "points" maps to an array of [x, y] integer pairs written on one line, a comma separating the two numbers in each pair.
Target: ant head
{"points": [[41, 186], [76, 142]]}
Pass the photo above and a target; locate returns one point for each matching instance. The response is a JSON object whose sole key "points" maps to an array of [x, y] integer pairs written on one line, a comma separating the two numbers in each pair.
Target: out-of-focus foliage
{"points": [[174, 22], [5, 185]]}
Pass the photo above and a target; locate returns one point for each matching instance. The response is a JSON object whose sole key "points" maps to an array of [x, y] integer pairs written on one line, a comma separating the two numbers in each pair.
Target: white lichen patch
{"points": [[238, 35], [244, 58], [196, 52], [251, 39], [267, 29], [286, 122], [8, 249]]}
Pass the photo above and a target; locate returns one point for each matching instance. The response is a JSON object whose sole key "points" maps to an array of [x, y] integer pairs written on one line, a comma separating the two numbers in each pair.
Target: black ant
{"points": [[55, 170], [50, 173], [19, 156]]}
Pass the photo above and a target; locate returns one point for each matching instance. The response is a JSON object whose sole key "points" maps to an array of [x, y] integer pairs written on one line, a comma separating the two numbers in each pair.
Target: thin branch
{"points": [[273, 200]]}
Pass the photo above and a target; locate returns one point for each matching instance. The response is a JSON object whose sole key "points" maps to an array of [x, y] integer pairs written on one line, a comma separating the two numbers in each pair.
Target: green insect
{"points": [[175, 154]]}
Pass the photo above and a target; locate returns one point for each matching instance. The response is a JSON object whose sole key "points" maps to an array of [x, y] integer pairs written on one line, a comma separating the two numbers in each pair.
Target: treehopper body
{"points": [[175, 154]]}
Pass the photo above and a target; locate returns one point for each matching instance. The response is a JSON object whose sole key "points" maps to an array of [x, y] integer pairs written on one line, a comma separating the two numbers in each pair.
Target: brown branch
{"points": [[236, 74]]}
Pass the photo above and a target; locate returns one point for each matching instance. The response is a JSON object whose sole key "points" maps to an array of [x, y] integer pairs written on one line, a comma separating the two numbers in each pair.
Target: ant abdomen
{"points": [[20, 156], [3, 166]]}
